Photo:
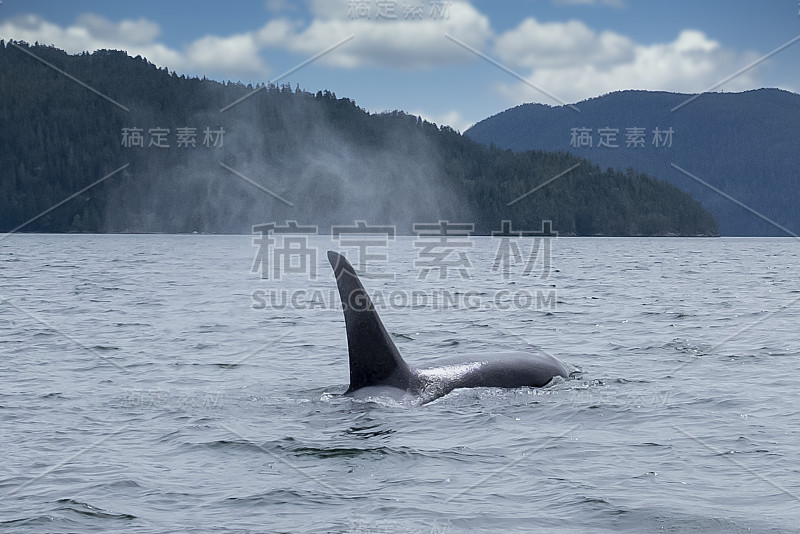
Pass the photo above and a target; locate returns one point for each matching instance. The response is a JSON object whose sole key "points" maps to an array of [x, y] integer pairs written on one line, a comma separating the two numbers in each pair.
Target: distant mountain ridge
{"points": [[746, 145], [148, 150]]}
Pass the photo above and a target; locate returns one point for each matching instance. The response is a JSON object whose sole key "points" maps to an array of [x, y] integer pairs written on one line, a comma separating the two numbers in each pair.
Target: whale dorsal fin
{"points": [[374, 358]]}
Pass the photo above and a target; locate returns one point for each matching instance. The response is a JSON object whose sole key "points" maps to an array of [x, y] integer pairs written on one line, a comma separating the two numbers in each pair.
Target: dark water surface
{"points": [[142, 392]]}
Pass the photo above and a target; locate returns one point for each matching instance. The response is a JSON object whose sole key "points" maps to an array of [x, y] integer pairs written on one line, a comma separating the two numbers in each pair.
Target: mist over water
{"points": [[285, 157], [143, 392]]}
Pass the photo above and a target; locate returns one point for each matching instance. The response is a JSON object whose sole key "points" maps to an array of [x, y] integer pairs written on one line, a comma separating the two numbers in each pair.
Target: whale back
{"points": [[374, 358]]}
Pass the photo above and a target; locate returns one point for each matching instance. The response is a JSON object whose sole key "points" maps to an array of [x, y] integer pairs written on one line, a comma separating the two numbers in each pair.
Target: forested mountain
{"points": [[746, 145], [198, 155]]}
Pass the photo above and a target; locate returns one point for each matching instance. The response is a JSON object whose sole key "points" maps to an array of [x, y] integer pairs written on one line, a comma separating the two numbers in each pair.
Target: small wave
{"points": [[402, 336], [685, 346], [203, 346], [212, 328], [289, 446], [373, 431], [279, 496], [324, 453], [87, 509], [229, 444]]}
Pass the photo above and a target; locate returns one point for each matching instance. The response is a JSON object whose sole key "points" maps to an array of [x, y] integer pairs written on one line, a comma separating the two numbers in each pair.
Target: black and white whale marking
{"points": [[377, 369]]}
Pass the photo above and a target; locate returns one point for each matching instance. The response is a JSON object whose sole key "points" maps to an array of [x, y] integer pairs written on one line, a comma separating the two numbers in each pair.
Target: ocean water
{"points": [[153, 384]]}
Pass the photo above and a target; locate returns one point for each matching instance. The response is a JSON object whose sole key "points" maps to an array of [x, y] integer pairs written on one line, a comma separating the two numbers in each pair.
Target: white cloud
{"points": [[533, 44], [573, 62], [137, 32], [276, 32], [399, 43], [233, 56], [452, 118], [568, 58], [237, 53]]}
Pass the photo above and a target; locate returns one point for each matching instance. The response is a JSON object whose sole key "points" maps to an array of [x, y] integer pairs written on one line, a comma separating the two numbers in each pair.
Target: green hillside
{"points": [[744, 145], [280, 154]]}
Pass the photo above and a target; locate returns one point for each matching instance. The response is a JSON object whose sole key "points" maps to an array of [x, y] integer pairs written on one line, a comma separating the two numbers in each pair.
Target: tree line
{"points": [[190, 154]]}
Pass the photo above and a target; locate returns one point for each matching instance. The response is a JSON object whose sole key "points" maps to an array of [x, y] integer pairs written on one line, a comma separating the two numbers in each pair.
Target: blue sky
{"points": [[399, 58]]}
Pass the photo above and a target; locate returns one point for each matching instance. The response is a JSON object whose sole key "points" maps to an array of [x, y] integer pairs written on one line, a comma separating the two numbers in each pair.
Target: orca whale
{"points": [[377, 369]]}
